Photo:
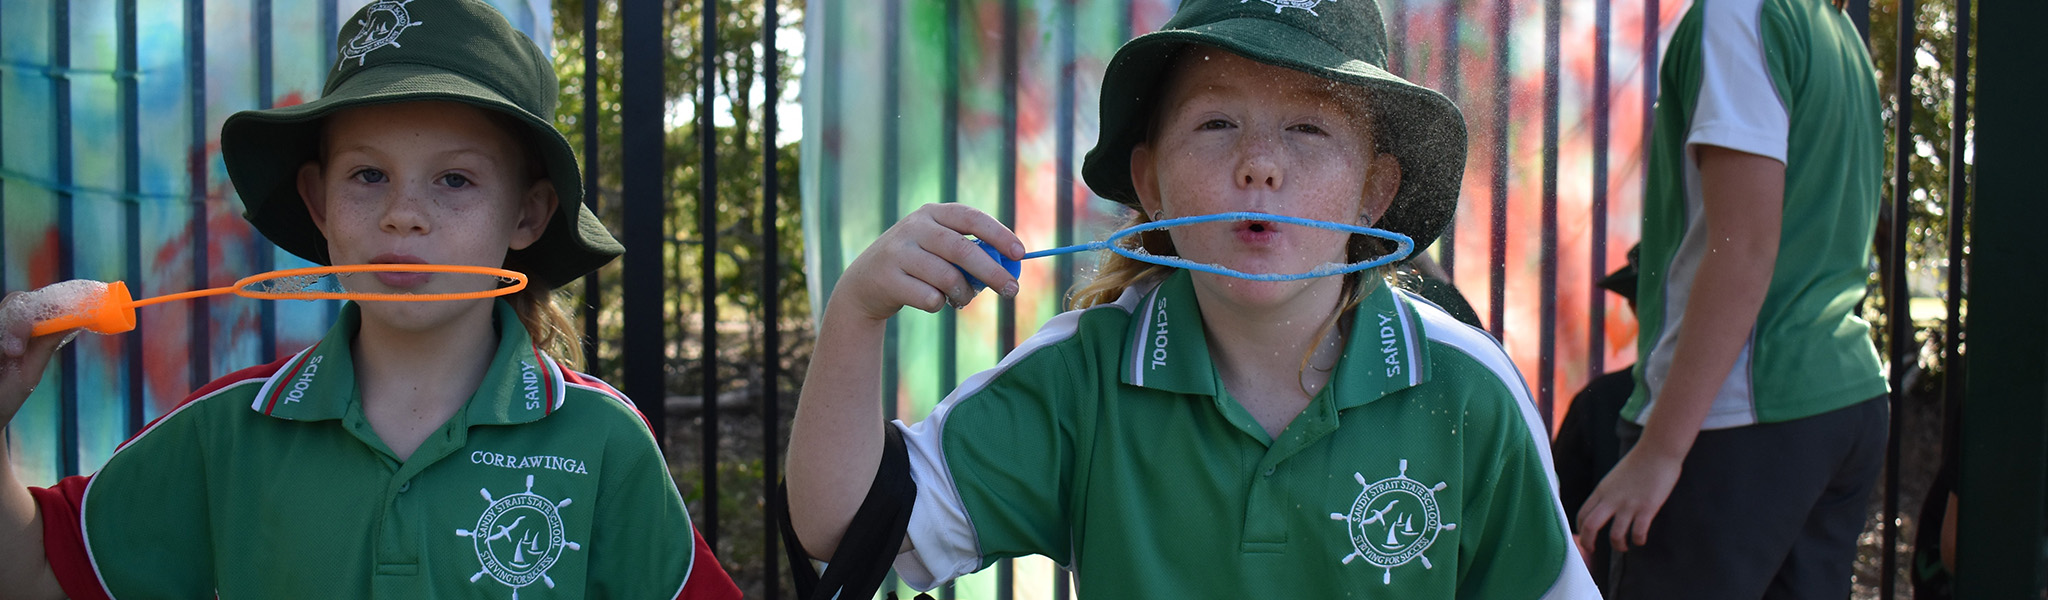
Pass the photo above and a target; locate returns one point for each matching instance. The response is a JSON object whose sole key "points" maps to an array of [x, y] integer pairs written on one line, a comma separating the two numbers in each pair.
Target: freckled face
{"points": [[1237, 135], [422, 182]]}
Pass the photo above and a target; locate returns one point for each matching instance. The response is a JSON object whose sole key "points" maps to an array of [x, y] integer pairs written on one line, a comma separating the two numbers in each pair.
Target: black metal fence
{"points": [[50, 212]]}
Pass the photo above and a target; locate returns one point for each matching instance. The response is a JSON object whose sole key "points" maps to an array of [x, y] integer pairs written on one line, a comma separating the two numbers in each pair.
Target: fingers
{"points": [[945, 241], [1592, 517], [944, 284], [965, 219], [1617, 531]]}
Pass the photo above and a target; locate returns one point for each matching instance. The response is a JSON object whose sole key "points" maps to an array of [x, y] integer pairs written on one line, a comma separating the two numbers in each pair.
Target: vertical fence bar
{"points": [[1503, 93], [892, 144], [5, 432], [67, 255], [1546, 377], [259, 246], [1652, 13], [1396, 23], [640, 117], [1063, 166], [1899, 317], [198, 336], [2005, 424], [771, 302], [593, 288], [1958, 223], [1063, 192], [131, 211], [330, 28], [828, 174], [949, 191], [1006, 308], [1447, 248], [1596, 338], [707, 225]]}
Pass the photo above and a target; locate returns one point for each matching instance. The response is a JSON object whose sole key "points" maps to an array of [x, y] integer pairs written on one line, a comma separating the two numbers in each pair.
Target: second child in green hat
{"points": [[422, 449], [1188, 435]]}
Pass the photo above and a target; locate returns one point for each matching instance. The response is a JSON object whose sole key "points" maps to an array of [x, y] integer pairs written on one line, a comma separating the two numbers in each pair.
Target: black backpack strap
{"points": [[868, 549]]}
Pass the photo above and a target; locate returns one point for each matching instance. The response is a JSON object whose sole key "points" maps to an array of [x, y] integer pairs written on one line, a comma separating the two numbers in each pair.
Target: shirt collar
{"points": [[1166, 348], [522, 384], [1388, 350]]}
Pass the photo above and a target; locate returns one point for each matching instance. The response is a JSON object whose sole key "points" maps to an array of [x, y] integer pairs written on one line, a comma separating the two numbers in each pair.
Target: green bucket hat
{"points": [[1339, 40], [415, 50]]}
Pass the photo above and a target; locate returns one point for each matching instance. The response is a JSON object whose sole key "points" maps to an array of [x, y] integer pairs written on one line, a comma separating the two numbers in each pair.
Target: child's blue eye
{"points": [[369, 176], [455, 181]]}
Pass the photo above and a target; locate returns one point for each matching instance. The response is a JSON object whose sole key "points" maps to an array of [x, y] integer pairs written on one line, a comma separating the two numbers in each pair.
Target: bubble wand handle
{"points": [[114, 310]]}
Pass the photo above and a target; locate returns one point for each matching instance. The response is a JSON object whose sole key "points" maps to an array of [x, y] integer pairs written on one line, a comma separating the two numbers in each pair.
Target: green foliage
{"points": [[739, 108], [1928, 169], [738, 187]]}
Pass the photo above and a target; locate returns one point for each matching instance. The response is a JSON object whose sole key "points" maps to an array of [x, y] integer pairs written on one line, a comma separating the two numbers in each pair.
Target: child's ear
{"points": [[1382, 183], [536, 208], [1145, 179], [314, 194]]}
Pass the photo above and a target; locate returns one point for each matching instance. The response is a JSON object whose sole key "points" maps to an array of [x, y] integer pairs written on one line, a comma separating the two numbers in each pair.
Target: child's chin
{"points": [[424, 316]]}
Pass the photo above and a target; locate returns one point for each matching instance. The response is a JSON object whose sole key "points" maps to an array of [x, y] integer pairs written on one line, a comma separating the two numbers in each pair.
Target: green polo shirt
{"points": [[1108, 443], [272, 485], [1788, 80]]}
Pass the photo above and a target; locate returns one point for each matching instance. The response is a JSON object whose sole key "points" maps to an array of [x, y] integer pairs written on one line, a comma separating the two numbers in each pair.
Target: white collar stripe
{"points": [[281, 375]]}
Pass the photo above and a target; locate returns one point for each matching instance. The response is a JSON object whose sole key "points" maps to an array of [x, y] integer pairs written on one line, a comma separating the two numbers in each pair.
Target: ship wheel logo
{"points": [[1393, 521], [380, 27], [1280, 5], [518, 538]]}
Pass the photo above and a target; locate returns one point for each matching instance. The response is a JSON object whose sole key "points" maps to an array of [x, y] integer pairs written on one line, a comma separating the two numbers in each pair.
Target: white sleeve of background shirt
{"points": [[1738, 106]]}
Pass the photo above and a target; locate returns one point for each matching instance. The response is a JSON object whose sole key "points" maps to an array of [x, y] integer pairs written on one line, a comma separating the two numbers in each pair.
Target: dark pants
{"points": [[1763, 511]]}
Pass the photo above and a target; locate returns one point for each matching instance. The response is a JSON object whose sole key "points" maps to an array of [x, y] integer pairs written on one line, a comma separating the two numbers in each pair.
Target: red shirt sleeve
{"points": [[64, 537], [708, 580]]}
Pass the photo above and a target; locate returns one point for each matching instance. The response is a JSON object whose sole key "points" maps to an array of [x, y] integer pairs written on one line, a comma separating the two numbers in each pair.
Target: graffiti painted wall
{"points": [[908, 102], [110, 169]]}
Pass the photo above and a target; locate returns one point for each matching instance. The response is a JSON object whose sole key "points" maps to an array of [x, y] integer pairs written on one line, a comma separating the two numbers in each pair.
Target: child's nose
{"points": [[405, 212], [1259, 165]]}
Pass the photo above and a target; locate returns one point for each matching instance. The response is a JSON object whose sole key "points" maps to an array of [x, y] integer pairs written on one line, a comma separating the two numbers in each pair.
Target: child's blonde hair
{"points": [[540, 310]]}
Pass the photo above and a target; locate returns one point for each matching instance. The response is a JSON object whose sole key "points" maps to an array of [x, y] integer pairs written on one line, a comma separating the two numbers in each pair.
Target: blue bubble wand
{"points": [[1406, 247]]}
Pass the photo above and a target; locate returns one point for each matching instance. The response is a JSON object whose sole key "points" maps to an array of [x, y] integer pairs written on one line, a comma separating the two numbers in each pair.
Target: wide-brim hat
{"points": [[1339, 40], [420, 50], [1623, 280]]}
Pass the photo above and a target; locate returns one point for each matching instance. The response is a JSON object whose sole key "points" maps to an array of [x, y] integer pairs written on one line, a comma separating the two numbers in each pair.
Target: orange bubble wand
{"points": [[113, 311]]}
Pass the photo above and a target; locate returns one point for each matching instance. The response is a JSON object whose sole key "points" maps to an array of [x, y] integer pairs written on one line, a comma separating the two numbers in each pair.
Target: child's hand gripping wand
{"points": [[1405, 247]]}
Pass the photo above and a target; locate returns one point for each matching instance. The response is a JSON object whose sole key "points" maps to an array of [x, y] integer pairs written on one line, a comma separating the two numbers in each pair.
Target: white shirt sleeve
{"points": [[1738, 106]]}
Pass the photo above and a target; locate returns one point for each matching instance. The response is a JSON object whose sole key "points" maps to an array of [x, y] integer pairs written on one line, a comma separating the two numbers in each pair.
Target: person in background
{"points": [[1758, 422], [1587, 444]]}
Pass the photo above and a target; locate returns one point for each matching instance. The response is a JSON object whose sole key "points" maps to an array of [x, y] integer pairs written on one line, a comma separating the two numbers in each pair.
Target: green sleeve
{"points": [[1513, 543], [641, 542], [146, 514], [1009, 448]]}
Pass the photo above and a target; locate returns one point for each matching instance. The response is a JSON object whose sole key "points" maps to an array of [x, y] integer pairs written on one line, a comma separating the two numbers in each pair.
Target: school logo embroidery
{"points": [[1279, 5], [1393, 521], [380, 27], [518, 538]]}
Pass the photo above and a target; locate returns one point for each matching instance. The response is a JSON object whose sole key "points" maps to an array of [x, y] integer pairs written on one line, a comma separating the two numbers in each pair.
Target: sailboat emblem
{"points": [[1393, 521]]}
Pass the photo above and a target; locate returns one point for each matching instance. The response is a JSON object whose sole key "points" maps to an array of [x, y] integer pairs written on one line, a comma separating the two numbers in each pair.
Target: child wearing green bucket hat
{"points": [[1188, 435], [422, 449]]}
